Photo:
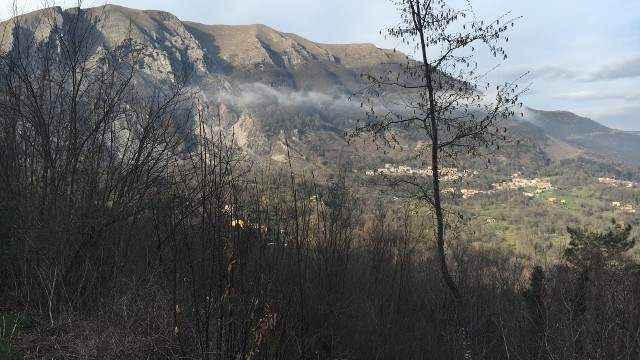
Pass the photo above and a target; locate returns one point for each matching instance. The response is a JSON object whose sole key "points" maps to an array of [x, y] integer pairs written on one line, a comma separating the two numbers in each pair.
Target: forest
{"points": [[131, 226]]}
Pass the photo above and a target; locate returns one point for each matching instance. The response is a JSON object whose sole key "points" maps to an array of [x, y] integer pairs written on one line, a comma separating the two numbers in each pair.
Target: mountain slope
{"points": [[274, 85], [587, 134]]}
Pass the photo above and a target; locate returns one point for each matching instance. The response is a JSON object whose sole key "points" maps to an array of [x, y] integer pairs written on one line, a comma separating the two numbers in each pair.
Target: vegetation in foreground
{"points": [[139, 232]]}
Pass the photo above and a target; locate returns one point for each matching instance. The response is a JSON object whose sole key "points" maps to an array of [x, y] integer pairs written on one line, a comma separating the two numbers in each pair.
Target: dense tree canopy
{"points": [[592, 249]]}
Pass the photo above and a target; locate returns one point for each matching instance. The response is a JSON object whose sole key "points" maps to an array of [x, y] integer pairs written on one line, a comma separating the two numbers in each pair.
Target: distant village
{"points": [[618, 205], [536, 186], [616, 182], [445, 172], [454, 174], [520, 182]]}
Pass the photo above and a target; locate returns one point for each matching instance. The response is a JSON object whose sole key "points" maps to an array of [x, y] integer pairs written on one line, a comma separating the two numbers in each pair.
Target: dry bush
{"points": [[133, 322]]}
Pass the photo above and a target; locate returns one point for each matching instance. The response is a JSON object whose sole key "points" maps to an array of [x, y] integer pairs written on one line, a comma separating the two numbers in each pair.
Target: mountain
{"points": [[274, 88], [587, 134]]}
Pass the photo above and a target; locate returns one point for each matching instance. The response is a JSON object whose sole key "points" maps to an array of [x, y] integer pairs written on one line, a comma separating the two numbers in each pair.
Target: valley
{"points": [[503, 213], [171, 189]]}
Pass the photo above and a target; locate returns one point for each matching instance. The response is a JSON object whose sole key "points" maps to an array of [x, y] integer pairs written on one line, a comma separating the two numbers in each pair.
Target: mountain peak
{"points": [[586, 133], [246, 65]]}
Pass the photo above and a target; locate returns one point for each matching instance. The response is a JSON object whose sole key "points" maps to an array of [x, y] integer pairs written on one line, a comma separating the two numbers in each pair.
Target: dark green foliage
{"points": [[534, 297], [579, 303], [588, 250]]}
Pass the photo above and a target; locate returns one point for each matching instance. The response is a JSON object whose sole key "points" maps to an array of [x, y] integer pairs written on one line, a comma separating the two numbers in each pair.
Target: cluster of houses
{"points": [[619, 207], [515, 183], [535, 186], [616, 182], [467, 193], [518, 182], [446, 173], [555, 201]]}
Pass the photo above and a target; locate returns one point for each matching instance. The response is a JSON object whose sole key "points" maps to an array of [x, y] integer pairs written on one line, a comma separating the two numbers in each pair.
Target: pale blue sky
{"points": [[583, 55]]}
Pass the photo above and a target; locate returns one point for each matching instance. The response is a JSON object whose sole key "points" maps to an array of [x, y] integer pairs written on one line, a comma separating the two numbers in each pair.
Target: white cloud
{"points": [[627, 68], [546, 71], [258, 94], [599, 94], [569, 47], [533, 72]]}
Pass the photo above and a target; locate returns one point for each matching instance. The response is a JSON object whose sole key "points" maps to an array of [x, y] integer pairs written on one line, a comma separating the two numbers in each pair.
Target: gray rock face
{"points": [[165, 45], [168, 47], [265, 80]]}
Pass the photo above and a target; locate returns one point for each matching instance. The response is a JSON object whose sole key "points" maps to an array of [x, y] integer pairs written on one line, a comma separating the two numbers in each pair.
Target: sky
{"points": [[581, 55]]}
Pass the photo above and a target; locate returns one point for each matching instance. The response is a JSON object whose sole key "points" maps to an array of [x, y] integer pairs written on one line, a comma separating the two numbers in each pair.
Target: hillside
{"points": [[179, 190], [269, 81], [587, 134]]}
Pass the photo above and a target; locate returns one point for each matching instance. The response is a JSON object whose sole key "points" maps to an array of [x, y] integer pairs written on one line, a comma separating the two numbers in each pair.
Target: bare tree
{"points": [[81, 150], [441, 99]]}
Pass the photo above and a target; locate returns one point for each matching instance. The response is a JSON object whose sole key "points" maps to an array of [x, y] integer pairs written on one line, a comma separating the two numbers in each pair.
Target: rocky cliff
{"points": [[269, 84]]}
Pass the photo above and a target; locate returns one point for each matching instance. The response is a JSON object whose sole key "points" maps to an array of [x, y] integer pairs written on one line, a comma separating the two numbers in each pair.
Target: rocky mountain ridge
{"points": [[272, 85]]}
